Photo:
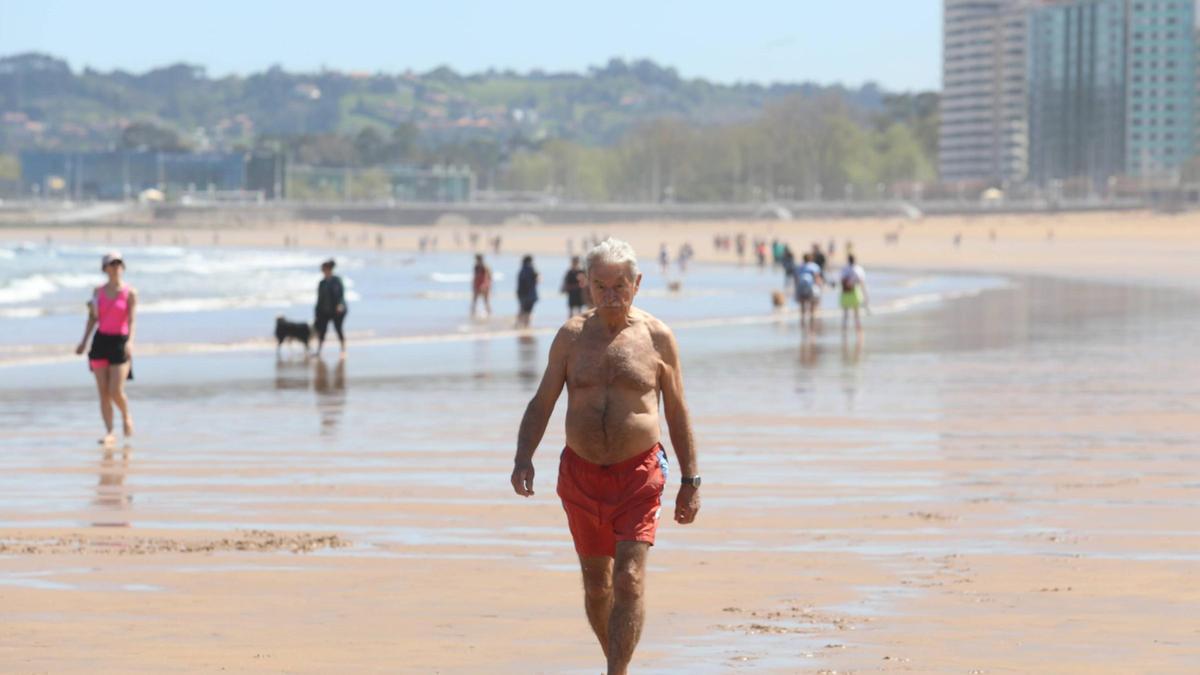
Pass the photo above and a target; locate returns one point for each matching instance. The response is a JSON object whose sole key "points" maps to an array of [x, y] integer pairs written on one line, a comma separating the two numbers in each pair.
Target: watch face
{"points": [[694, 481]]}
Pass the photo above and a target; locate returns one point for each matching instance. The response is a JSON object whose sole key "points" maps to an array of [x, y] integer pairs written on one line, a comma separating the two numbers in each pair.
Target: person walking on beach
{"points": [[573, 284], [331, 306], [809, 281], [854, 293], [617, 363], [664, 259], [527, 295], [111, 312], [481, 286]]}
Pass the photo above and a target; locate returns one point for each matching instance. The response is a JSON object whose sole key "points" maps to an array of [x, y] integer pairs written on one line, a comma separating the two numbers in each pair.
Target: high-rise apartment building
{"points": [[1077, 91], [984, 117], [1162, 86], [1052, 90]]}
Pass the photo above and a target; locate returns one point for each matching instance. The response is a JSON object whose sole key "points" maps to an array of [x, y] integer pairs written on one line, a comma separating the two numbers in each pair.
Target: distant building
{"points": [[984, 136], [1068, 90], [1077, 91], [1162, 86], [122, 174], [400, 183]]}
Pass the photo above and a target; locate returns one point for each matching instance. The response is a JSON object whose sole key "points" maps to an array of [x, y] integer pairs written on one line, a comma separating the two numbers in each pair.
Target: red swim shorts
{"points": [[607, 504]]}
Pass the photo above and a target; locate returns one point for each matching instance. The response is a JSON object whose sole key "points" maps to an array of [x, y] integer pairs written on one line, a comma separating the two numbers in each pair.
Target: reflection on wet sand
{"points": [[852, 354], [291, 373], [527, 360], [331, 394], [111, 492]]}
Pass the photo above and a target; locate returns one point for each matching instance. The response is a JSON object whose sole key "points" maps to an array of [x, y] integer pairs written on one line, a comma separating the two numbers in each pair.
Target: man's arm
{"points": [[537, 413], [679, 424]]}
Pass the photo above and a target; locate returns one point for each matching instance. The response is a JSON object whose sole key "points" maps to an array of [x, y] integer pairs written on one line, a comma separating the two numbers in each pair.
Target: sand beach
{"points": [[1000, 477]]}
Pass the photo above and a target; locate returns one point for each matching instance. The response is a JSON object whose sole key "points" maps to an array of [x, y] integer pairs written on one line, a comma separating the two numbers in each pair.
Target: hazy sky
{"points": [[893, 42]]}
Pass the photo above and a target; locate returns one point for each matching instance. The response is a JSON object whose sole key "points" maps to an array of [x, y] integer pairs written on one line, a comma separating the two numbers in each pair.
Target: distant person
{"points": [[664, 259], [481, 286], [740, 243], [573, 285], [527, 295], [111, 311], [818, 257], [809, 280], [331, 306], [854, 292], [760, 252], [831, 250], [497, 242], [685, 256], [788, 260]]}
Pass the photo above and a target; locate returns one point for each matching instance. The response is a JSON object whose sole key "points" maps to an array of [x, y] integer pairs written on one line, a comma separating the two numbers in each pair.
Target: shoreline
{"points": [[1142, 247]]}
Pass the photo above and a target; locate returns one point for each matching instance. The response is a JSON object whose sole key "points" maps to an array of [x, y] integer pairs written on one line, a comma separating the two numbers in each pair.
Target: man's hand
{"points": [[522, 479], [687, 504]]}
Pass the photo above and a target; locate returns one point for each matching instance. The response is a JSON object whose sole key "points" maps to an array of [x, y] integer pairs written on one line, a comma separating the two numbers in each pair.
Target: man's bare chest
{"points": [[626, 362]]}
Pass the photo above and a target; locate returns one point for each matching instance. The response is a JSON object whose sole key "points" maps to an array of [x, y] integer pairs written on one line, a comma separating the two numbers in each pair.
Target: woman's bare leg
{"points": [[106, 412], [116, 389]]}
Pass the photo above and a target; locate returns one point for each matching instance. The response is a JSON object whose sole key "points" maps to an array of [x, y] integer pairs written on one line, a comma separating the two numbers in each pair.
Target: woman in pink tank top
{"points": [[111, 314]]}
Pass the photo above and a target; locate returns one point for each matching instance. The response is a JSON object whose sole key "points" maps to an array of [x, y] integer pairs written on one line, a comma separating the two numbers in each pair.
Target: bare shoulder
{"points": [[660, 333], [572, 328], [653, 324]]}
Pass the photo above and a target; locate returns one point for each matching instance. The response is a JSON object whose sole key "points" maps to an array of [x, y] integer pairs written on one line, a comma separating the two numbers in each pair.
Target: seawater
{"points": [[197, 298]]}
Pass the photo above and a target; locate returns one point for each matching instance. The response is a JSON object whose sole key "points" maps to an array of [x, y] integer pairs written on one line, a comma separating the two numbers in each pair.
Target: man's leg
{"points": [[598, 595], [628, 609]]}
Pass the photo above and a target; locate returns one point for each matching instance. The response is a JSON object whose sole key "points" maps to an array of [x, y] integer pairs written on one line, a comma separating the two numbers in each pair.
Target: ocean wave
{"points": [[37, 286], [26, 289], [22, 312]]}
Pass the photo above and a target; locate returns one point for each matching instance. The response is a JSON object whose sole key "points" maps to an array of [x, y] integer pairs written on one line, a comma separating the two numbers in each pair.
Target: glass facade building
{"points": [[1162, 86], [1077, 84]]}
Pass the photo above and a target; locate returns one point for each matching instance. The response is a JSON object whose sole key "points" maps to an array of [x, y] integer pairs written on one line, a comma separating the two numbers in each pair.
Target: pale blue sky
{"points": [[896, 43]]}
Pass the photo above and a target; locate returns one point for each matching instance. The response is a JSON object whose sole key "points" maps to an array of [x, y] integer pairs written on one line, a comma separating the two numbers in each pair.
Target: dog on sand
{"points": [[291, 330]]}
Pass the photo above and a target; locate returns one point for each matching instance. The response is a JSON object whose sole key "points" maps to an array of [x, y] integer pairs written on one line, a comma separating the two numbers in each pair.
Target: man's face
{"points": [[612, 289], [327, 271]]}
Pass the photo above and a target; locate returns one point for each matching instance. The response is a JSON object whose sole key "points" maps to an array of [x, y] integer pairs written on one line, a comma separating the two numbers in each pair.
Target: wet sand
{"points": [[1004, 484]]}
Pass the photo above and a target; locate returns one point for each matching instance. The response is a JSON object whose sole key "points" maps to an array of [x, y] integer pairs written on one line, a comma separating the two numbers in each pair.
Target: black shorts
{"points": [[575, 299], [106, 347], [527, 304], [110, 348], [321, 324]]}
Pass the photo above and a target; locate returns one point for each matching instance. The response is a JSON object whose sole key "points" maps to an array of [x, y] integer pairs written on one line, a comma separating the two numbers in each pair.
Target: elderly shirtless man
{"points": [[617, 362]]}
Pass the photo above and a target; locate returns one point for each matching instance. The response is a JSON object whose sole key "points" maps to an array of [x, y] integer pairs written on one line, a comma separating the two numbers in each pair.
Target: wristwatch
{"points": [[694, 481]]}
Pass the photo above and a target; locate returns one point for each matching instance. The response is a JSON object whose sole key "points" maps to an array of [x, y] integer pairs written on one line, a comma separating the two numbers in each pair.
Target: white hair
{"points": [[613, 252]]}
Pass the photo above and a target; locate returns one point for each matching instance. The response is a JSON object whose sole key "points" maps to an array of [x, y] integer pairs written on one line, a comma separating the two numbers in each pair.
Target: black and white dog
{"points": [[291, 330]]}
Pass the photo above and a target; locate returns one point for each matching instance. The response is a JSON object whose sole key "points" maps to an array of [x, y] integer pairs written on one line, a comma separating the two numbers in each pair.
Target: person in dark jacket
{"points": [[331, 306], [527, 295]]}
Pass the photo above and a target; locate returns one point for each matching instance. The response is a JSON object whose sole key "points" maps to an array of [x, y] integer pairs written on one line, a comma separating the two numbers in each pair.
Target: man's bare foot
{"points": [[109, 440]]}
